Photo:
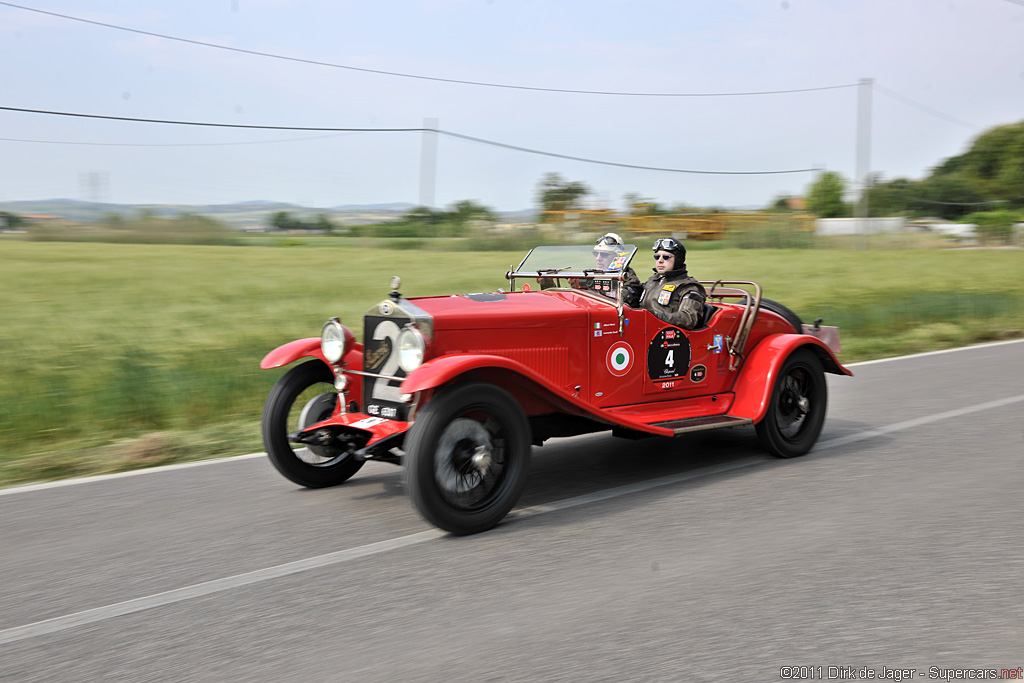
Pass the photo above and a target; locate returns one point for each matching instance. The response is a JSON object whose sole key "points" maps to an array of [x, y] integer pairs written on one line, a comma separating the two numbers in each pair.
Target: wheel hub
{"points": [[482, 459], [463, 457]]}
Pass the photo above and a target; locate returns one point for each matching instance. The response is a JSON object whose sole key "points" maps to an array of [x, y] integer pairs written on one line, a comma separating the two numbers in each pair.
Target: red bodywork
{"points": [[560, 352]]}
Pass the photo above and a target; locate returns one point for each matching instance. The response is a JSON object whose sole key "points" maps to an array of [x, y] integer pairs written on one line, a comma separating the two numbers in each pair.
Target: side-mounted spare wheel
{"points": [[467, 456], [304, 396], [796, 412]]}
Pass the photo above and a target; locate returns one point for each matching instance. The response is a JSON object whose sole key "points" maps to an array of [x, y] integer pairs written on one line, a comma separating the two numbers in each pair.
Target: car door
{"points": [[680, 363]]}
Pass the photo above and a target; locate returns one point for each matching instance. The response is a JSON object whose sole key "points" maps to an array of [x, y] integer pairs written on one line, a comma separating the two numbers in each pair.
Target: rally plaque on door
{"points": [[668, 356]]}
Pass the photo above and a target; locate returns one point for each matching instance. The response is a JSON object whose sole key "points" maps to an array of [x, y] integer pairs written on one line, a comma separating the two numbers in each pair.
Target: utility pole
{"points": [[863, 155], [428, 163]]}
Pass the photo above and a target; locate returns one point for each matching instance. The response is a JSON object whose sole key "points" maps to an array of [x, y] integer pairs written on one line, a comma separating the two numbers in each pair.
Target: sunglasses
{"points": [[663, 257]]}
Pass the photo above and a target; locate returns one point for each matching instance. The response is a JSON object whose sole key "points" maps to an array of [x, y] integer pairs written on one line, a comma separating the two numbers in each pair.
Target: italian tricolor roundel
{"points": [[619, 359]]}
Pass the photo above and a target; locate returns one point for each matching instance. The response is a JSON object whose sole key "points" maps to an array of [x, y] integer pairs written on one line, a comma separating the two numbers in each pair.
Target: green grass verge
{"points": [[117, 356]]}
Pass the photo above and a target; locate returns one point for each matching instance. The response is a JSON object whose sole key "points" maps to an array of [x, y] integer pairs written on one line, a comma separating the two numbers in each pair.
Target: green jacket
{"points": [[675, 297]]}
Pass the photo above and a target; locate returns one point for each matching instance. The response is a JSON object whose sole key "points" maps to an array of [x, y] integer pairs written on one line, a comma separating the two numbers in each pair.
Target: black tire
{"points": [[790, 429], [303, 396], [467, 456], [791, 317]]}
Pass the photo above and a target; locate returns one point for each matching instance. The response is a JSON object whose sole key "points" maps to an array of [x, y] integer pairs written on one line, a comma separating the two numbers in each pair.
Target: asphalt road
{"points": [[895, 544]]}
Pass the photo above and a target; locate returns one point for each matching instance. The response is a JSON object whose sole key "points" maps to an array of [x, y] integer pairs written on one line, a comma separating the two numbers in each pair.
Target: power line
{"points": [[925, 109], [620, 165], [421, 77], [214, 125], [168, 144], [438, 131]]}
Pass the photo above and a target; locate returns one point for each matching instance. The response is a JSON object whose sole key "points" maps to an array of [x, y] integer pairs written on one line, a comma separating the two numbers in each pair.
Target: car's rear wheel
{"points": [[790, 317], [796, 412], [467, 456], [304, 396]]}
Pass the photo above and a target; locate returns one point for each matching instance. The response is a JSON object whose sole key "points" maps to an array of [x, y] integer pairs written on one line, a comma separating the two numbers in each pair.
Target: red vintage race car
{"points": [[458, 388]]}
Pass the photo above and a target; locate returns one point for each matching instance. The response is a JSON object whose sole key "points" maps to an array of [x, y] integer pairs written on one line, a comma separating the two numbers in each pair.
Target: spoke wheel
{"points": [[797, 409], [304, 396], [467, 457]]}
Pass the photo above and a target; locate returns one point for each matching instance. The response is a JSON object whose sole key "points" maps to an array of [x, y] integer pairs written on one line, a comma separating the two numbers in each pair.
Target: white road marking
{"points": [[69, 621], [25, 488], [935, 353], [43, 485], [917, 422], [57, 624]]}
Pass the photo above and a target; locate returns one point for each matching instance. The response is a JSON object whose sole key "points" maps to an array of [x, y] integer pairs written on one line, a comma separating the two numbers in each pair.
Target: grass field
{"points": [[123, 356]]}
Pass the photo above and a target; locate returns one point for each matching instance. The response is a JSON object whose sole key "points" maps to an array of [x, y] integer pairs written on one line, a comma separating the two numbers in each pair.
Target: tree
{"points": [[554, 193], [324, 223], [282, 220], [11, 221], [423, 215], [992, 167], [948, 196], [467, 210], [825, 198], [894, 197]]}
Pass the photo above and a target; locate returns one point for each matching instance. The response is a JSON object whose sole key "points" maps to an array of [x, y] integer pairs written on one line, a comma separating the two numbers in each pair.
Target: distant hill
{"points": [[238, 215]]}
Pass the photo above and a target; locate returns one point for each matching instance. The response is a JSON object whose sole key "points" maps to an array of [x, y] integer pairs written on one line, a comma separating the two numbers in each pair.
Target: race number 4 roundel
{"points": [[619, 359], [668, 355]]}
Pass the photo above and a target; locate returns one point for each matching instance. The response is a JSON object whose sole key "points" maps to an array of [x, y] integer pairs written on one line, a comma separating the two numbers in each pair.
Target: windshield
{"points": [[575, 260]]}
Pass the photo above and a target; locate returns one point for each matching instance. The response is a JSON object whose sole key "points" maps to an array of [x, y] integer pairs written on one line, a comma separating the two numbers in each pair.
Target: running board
{"points": [[696, 424]]}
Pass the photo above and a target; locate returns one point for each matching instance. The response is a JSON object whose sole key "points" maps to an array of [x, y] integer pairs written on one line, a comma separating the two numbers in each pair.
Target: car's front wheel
{"points": [[467, 456], [302, 397], [796, 412]]}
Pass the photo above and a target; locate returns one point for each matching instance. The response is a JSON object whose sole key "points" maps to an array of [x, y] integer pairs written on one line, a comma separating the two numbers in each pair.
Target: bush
{"points": [[146, 229], [776, 231], [994, 226]]}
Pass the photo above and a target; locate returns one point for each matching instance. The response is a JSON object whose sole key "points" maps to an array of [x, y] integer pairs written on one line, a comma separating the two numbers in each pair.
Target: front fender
{"points": [[292, 351], [761, 368], [434, 373], [309, 347]]}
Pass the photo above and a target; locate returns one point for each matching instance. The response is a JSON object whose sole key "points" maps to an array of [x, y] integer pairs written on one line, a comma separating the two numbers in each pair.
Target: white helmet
{"points": [[608, 242]]}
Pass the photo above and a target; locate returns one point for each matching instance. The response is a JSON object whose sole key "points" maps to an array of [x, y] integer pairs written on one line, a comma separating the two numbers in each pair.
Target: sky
{"points": [[943, 71]]}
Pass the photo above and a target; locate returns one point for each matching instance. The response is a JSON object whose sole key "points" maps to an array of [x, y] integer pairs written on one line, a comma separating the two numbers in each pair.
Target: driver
{"points": [[670, 293]]}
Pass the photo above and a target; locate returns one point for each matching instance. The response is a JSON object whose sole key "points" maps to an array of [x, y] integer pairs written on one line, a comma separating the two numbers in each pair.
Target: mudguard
{"points": [[760, 369], [434, 373], [310, 346]]}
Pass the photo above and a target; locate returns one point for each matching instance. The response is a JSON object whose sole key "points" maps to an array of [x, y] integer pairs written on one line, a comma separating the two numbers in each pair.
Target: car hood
{"points": [[505, 310]]}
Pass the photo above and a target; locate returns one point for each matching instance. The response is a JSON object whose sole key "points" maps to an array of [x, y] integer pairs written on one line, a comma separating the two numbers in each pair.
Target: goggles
{"points": [[668, 244], [606, 241]]}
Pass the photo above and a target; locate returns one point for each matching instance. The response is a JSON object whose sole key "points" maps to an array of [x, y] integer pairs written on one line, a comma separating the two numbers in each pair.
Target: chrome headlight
{"points": [[333, 341], [411, 346]]}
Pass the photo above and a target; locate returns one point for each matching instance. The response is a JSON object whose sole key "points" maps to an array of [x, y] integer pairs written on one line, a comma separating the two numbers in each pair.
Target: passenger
{"points": [[670, 293], [606, 249]]}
